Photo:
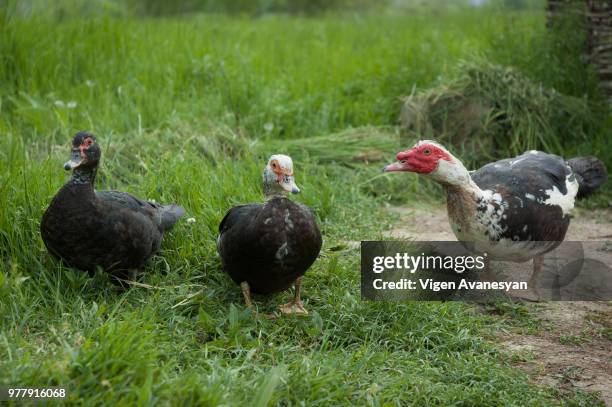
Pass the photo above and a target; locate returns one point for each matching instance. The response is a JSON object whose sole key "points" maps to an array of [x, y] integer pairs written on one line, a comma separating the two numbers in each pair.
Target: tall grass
{"points": [[282, 77]]}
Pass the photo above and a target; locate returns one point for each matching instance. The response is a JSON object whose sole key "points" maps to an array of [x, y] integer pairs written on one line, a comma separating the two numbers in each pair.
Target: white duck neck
{"points": [[462, 196], [453, 176]]}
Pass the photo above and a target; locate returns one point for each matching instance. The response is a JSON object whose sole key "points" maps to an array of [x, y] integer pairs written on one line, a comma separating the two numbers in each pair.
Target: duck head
{"points": [[85, 152], [432, 160], [278, 176]]}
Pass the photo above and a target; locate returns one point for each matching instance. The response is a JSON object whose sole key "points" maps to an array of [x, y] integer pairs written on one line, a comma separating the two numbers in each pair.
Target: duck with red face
{"points": [[431, 159], [267, 247], [110, 230], [514, 209]]}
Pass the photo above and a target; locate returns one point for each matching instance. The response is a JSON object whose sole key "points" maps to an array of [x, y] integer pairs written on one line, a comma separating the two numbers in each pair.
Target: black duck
{"points": [[108, 229], [268, 247]]}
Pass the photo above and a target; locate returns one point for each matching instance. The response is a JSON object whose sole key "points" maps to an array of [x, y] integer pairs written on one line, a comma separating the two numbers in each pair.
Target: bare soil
{"points": [[575, 347]]}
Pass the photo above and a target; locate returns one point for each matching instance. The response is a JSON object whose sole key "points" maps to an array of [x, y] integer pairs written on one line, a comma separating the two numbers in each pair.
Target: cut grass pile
{"points": [[495, 111]]}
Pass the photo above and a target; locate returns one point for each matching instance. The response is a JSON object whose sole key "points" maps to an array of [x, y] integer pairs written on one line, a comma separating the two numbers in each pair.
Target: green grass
{"points": [[126, 75], [187, 110]]}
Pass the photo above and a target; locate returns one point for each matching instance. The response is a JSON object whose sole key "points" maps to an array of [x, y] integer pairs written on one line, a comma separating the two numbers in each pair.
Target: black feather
{"points": [[522, 182], [268, 245], [109, 229], [590, 173]]}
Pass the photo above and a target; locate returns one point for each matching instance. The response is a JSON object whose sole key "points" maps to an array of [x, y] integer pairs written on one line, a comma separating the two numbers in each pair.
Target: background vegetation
{"points": [[187, 107]]}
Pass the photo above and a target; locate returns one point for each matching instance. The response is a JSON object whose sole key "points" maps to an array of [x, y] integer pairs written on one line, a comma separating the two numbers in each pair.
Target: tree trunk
{"points": [[598, 50]]}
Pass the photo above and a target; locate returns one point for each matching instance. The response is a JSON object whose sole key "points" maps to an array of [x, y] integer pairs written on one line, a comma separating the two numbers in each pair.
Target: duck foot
{"points": [[293, 307], [296, 306]]}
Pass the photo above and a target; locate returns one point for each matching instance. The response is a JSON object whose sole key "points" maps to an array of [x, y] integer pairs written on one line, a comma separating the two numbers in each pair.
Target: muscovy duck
{"points": [[514, 209], [268, 247], [109, 229]]}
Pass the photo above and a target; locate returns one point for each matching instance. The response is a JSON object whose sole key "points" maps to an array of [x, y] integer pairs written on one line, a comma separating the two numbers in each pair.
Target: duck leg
{"points": [[531, 294], [538, 261], [123, 278], [296, 306], [246, 291]]}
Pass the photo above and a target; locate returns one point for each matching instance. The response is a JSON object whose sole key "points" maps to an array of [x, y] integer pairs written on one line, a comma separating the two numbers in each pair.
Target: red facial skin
{"points": [[86, 143], [421, 159], [280, 172]]}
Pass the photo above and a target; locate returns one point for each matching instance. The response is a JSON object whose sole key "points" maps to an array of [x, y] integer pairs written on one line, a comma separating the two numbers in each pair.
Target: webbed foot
{"points": [[293, 307], [296, 306]]}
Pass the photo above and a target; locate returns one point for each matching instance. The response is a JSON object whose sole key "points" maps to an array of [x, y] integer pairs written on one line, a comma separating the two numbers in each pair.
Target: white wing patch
{"points": [[564, 201]]}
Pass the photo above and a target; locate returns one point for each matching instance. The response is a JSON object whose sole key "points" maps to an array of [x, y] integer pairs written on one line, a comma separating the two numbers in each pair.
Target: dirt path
{"points": [[575, 346]]}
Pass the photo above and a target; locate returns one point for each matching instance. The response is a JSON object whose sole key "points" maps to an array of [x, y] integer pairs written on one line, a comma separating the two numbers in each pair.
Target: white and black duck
{"points": [[514, 209], [267, 248], [108, 229]]}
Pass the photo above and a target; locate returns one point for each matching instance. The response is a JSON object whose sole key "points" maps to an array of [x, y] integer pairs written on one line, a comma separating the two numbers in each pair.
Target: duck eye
{"points": [[427, 151]]}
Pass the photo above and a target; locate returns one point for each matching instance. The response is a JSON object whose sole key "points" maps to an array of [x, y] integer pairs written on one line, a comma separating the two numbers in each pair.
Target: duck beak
{"points": [[398, 166], [402, 163], [288, 184], [75, 160]]}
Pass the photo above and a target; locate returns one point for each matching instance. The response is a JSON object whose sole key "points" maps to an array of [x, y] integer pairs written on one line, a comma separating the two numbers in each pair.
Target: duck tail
{"points": [[590, 173], [170, 214]]}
